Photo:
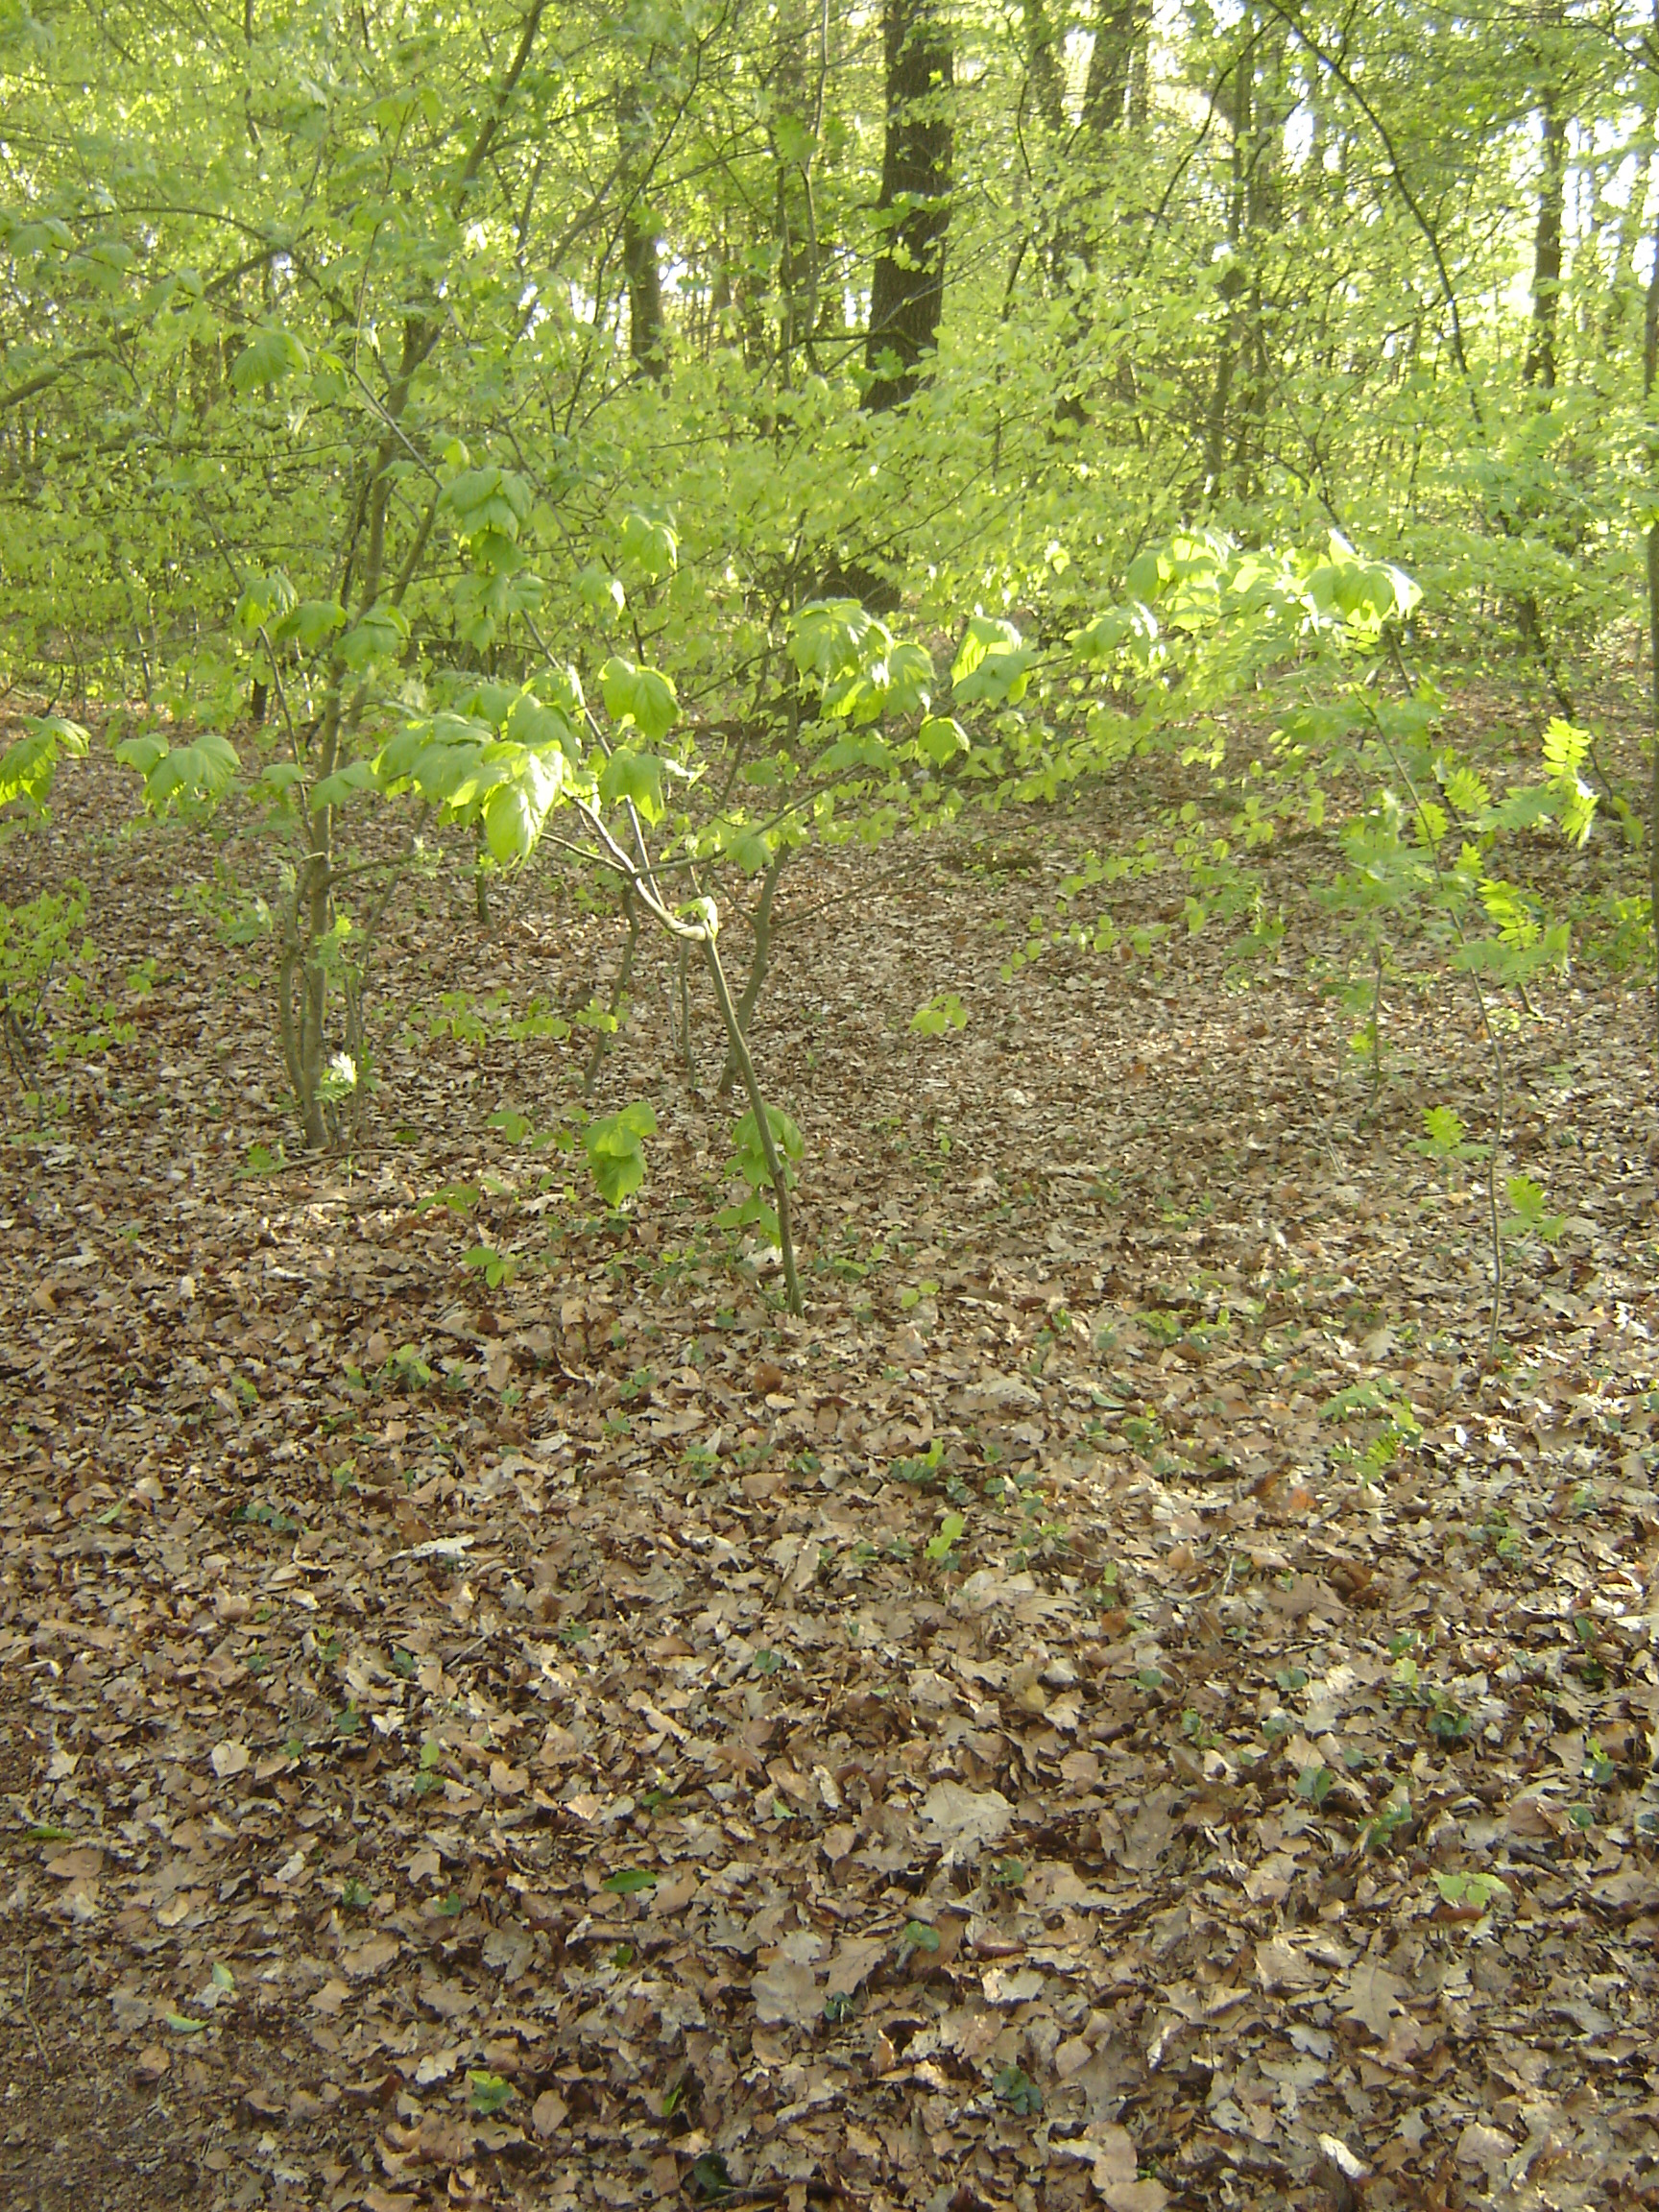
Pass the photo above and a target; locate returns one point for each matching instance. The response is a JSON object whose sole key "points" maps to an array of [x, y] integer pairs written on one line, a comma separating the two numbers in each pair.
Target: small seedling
{"points": [[1018, 2091], [940, 1549], [488, 2094], [946, 1012], [1468, 1888]]}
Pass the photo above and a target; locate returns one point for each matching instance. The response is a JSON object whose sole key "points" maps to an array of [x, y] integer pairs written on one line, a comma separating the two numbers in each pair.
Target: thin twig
{"points": [[28, 2012]]}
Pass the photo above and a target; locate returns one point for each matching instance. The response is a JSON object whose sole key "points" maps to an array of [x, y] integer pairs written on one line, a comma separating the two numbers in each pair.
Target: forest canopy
{"points": [[962, 307]]}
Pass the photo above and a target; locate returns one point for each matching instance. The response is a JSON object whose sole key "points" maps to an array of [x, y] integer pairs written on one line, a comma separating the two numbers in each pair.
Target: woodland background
{"points": [[827, 1216]]}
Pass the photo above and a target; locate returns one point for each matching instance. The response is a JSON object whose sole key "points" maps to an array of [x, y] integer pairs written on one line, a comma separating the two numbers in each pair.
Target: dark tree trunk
{"points": [[646, 342], [1044, 68], [907, 293], [1540, 364], [1115, 90], [647, 339]]}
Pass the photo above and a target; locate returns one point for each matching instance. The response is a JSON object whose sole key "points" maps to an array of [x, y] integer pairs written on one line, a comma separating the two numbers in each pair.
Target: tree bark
{"points": [[1044, 69], [647, 339], [1650, 377], [1539, 368], [1114, 90], [907, 292]]}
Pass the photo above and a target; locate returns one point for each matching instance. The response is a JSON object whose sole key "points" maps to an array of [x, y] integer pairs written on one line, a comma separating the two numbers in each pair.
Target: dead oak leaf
{"points": [[1373, 1997], [963, 1820], [785, 1993]]}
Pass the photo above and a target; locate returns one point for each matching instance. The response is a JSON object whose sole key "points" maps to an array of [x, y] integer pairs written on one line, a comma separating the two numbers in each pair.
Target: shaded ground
{"points": [[1015, 1737]]}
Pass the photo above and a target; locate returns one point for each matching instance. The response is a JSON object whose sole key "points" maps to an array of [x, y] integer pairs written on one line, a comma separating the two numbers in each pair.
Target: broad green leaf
{"points": [[380, 634], [26, 770], [941, 738], [639, 697], [650, 545], [487, 500], [629, 1881], [866, 752], [600, 591], [269, 355], [533, 723], [344, 784], [488, 2094], [1131, 630], [142, 752], [990, 664], [946, 1012], [614, 1152], [310, 623], [71, 737], [635, 776], [828, 638], [950, 1529], [202, 771], [1466, 1885]]}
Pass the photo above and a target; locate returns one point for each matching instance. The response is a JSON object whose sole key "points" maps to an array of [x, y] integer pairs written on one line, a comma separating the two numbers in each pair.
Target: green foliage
{"points": [[629, 1880], [941, 1549], [28, 767], [946, 1012], [1444, 1137], [48, 968], [197, 774], [1526, 1215], [749, 1161], [1018, 2091], [615, 1151], [488, 2094]]}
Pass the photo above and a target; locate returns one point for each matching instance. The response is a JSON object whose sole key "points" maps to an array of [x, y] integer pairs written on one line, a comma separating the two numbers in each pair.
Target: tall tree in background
{"points": [[1115, 88], [908, 287], [1539, 366], [647, 336]]}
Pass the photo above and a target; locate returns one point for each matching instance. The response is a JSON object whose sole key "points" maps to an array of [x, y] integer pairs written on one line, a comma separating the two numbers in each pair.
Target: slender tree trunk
{"points": [[1264, 216], [1045, 68], [907, 291], [647, 339], [1539, 366], [1114, 90], [1624, 286], [646, 343], [759, 962], [1649, 376], [1232, 282]]}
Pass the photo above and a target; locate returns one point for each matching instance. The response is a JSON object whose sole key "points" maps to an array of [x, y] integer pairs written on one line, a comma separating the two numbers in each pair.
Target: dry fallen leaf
{"points": [[547, 2113], [787, 1992], [1373, 1996], [964, 1819]]}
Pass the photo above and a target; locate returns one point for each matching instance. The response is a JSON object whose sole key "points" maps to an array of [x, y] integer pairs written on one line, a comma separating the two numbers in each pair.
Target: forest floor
{"points": [[1013, 1738]]}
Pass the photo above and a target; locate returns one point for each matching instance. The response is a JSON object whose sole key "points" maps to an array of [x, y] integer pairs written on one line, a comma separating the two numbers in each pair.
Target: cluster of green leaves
{"points": [[43, 949]]}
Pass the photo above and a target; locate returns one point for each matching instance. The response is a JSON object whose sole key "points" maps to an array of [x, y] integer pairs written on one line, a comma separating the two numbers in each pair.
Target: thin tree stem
{"points": [[775, 1166]]}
